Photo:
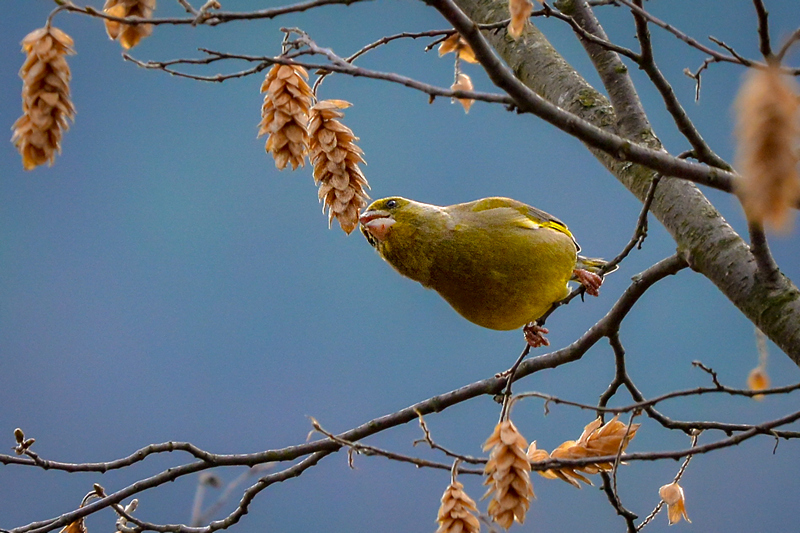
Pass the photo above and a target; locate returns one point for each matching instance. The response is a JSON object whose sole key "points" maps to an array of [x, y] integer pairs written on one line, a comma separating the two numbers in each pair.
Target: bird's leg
{"points": [[590, 280], [534, 334]]}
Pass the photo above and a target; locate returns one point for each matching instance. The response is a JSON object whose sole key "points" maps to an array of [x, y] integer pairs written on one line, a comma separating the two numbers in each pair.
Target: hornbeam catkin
{"points": [[46, 105]]}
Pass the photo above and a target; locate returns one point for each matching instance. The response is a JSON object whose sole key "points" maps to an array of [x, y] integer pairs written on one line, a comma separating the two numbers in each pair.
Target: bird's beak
{"points": [[377, 223]]}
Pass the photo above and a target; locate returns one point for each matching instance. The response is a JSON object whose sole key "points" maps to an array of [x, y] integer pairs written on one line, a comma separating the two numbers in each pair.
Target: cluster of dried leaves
{"points": [[47, 107], [335, 158], [296, 129], [672, 494], [758, 379], [768, 119], [463, 52], [597, 440], [284, 115], [508, 474], [128, 35], [768, 131], [456, 514], [509, 466], [46, 104], [520, 11]]}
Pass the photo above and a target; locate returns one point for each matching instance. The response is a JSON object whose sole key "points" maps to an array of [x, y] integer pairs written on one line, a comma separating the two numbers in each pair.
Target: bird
{"points": [[498, 262]]}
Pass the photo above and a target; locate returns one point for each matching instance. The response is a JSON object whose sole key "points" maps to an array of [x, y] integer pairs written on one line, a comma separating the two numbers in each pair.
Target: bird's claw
{"points": [[534, 335], [590, 280]]}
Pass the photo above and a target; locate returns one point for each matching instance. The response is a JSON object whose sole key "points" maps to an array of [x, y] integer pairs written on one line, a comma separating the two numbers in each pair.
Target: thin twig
{"points": [[639, 235], [640, 232], [204, 480], [372, 450], [763, 29], [339, 66], [620, 374], [759, 247], [188, 7], [584, 33], [791, 40], [703, 152], [694, 43], [761, 346], [610, 488], [652, 515], [385, 40], [615, 502], [644, 404], [711, 372], [510, 373], [214, 18], [428, 439], [730, 49], [677, 478], [204, 516]]}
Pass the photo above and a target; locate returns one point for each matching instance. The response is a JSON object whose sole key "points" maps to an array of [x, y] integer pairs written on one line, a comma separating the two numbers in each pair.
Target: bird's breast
{"points": [[502, 280]]}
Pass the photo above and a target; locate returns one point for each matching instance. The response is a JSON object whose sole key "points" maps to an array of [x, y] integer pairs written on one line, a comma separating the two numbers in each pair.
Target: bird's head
{"points": [[380, 216]]}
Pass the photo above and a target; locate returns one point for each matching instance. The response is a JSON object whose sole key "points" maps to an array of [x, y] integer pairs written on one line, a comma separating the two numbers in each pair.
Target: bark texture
{"points": [[706, 240]]}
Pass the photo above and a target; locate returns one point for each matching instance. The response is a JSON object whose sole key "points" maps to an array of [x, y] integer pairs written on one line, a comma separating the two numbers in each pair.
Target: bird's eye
{"points": [[391, 204]]}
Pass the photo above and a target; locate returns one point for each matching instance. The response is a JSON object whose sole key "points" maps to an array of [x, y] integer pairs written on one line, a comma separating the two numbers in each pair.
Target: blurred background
{"points": [[164, 282]]}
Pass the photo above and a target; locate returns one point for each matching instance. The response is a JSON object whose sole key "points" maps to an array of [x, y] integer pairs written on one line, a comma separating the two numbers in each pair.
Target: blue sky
{"points": [[164, 282]]}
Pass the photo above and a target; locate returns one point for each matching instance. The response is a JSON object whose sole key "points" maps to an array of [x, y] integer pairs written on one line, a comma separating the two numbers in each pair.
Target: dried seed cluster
{"points": [[463, 83], [284, 115], [129, 35], [757, 380], [508, 475], [456, 514], [336, 157], [46, 105], [456, 43], [768, 132], [597, 440], [675, 499]]}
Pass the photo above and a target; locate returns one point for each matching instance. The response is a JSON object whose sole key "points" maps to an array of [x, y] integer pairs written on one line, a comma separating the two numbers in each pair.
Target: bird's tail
{"points": [[594, 265]]}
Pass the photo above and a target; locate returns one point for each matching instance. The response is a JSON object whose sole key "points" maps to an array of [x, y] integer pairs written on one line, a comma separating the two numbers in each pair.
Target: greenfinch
{"points": [[498, 262]]}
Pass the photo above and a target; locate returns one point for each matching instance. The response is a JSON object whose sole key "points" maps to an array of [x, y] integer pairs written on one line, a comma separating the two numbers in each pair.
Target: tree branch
{"points": [[763, 29], [613, 73], [702, 151], [708, 242], [212, 18], [316, 450]]}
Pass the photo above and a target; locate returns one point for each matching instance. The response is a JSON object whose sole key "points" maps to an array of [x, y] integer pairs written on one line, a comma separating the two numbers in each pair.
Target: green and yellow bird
{"points": [[498, 262]]}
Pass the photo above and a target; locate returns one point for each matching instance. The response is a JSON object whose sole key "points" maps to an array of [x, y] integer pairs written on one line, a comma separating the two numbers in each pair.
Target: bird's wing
{"points": [[527, 216]]}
